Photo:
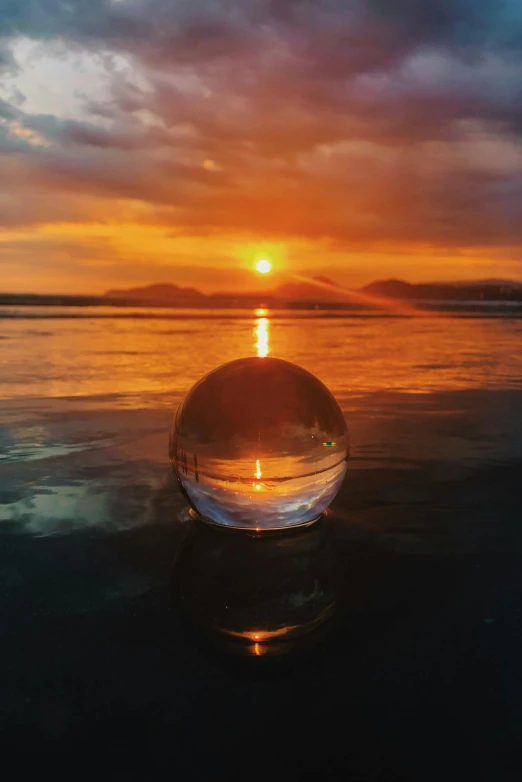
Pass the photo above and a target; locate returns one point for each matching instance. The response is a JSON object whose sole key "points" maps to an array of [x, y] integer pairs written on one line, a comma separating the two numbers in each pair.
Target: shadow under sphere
{"points": [[257, 595]]}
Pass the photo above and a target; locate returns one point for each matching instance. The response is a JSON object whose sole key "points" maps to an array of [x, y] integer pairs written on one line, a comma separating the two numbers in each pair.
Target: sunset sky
{"points": [[183, 140]]}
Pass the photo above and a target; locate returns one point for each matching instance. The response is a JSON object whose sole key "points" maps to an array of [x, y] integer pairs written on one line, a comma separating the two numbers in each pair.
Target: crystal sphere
{"points": [[259, 443]]}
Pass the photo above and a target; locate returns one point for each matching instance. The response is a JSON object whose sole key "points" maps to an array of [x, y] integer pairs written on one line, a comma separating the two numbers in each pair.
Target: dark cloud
{"points": [[187, 28], [96, 137], [373, 122], [7, 111], [6, 59], [196, 30], [461, 25], [82, 19]]}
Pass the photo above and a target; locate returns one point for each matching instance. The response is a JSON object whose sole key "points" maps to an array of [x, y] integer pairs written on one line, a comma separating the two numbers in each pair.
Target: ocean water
{"points": [[140, 355], [88, 395]]}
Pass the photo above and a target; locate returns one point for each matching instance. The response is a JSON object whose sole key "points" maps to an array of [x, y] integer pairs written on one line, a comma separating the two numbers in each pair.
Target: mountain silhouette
{"points": [[323, 289], [473, 290], [317, 288]]}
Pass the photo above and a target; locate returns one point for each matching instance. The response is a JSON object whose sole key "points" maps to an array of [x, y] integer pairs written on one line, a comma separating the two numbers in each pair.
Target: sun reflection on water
{"points": [[262, 333]]}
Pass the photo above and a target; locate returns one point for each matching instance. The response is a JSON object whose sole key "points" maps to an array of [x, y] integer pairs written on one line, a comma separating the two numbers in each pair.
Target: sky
{"points": [[148, 141]]}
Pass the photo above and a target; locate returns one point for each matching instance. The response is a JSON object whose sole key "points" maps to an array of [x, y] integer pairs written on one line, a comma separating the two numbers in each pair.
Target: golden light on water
{"points": [[262, 334]]}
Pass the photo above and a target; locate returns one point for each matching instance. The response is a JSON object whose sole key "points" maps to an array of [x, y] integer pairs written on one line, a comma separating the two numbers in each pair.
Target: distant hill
{"points": [[393, 289], [161, 291], [479, 290], [489, 282], [317, 289]]}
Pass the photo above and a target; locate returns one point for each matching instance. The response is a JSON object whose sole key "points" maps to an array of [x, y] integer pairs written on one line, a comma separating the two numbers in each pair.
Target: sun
{"points": [[263, 266]]}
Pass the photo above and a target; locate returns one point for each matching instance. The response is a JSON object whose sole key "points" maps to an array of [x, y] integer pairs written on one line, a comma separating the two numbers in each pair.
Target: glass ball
{"points": [[259, 443]]}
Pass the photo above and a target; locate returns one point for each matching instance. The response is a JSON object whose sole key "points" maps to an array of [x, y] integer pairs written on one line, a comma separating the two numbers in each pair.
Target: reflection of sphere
{"points": [[259, 443], [267, 596]]}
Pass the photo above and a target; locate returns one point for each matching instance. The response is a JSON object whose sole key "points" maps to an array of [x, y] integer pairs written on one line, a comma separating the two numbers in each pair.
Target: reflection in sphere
{"points": [[270, 595], [259, 443]]}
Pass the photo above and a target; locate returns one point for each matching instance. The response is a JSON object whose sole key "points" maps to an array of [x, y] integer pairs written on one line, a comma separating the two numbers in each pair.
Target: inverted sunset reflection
{"points": [[247, 445], [262, 333], [258, 475]]}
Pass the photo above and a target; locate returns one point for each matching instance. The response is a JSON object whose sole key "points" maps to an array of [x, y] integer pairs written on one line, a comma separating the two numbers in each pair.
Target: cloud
{"points": [[7, 111], [373, 124], [6, 59], [102, 139]]}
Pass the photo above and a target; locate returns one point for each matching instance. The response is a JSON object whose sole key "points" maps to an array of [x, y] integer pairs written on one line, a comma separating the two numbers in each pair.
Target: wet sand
{"points": [[418, 680]]}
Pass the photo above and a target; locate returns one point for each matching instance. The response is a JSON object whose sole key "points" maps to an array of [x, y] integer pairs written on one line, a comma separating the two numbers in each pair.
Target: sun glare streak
{"points": [[262, 335], [392, 305]]}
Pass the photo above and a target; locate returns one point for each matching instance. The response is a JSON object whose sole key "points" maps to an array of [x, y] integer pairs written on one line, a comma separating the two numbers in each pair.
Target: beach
{"points": [[419, 677]]}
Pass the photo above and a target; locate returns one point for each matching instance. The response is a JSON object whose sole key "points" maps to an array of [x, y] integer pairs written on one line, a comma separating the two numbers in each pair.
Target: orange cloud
{"points": [[366, 142]]}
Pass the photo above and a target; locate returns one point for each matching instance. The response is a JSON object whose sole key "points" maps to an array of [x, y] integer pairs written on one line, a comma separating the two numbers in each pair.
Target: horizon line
{"points": [[317, 281]]}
